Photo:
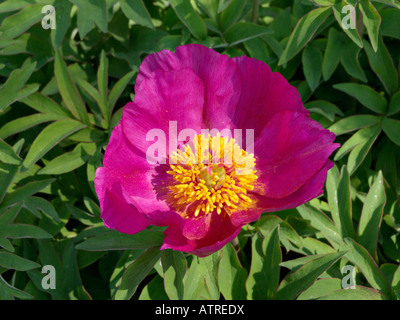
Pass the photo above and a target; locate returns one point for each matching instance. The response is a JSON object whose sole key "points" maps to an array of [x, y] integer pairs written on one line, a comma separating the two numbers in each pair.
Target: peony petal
{"points": [[263, 94], [170, 96], [218, 73], [290, 150]]}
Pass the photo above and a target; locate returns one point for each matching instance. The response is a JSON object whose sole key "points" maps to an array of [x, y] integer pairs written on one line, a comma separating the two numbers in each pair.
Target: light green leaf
{"points": [[320, 289], [352, 123], [136, 272], [371, 216], [62, 22], [49, 137], [263, 278], [303, 32], [359, 256], [231, 275], [300, 280], [350, 62], [174, 267], [358, 293], [340, 201]]}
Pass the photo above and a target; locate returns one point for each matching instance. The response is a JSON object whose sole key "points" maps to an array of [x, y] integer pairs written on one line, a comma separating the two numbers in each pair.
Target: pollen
{"points": [[211, 174]]}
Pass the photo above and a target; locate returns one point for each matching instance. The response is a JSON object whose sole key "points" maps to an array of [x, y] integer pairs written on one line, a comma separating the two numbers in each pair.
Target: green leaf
{"points": [[24, 123], [390, 26], [372, 22], [312, 62], [243, 31], [190, 18], [300, 280], [231, 275], [49, 137], [70, 161], [350, 62], [396, 283], [11, 90], [367, 96], [263, 278], [320, 289], [320, 221], [194, 280], [115, 240], [359, 256], [12, 261], [8, 171], [136, 11], [68, 90], [62, 22], [89, 13], [394, 105], [136, 272], [8, 155], [371, 216], [102, 80], [358, 146], [382, 64], [44, 104], [358, 293], [72, 279], [231, 14], [20, 231], [324, 108], [25, 191], [16, 24], [210, 265], [117, 90], [346, 23], [174, 267], [43, 205], [339, 199], [392, 129], [333, 53], [7, 292], [352, 123], [303, 32]]}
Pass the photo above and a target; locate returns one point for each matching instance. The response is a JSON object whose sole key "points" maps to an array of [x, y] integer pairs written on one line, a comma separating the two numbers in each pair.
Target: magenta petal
{"points": [[217, 72], [170, 96], [115, 212], [290, 150], [263, 94]]}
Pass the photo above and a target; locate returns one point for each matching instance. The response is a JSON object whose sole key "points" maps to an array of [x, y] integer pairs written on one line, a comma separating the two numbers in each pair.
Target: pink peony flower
{"points": [[205, 187]]}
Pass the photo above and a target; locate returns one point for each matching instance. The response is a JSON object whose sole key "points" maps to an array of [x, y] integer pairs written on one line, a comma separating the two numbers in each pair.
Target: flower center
{"points": [[211, 174]]}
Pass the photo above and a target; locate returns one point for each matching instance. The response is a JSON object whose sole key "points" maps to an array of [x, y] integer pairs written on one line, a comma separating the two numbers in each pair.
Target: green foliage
{"points": [[62, 91]]}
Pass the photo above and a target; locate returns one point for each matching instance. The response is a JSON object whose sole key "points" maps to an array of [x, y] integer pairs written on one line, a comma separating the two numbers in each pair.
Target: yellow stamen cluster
{"points": [[215, 173]]}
